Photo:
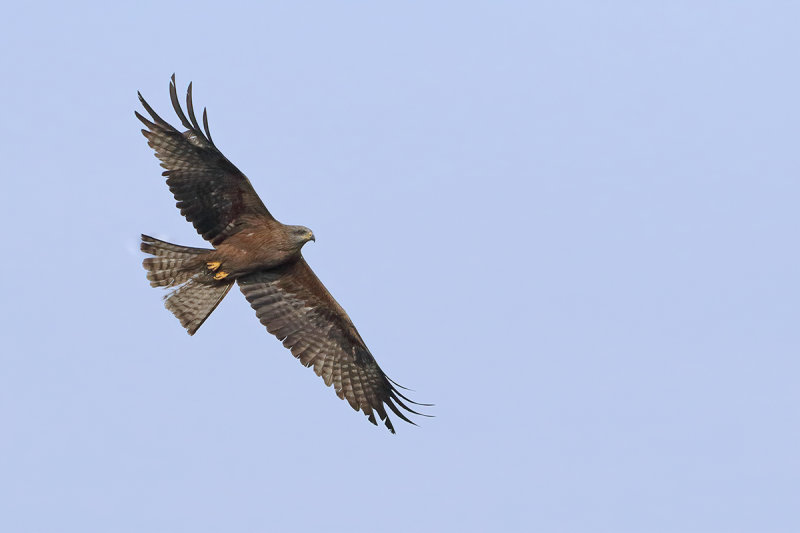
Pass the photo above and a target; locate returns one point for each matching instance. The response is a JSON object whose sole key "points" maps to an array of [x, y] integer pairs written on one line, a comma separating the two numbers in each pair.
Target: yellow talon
{"points": [[213, 265], [220, 275]]}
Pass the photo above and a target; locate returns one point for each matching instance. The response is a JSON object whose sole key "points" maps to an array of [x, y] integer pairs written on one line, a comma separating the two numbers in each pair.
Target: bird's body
{"points": [[263, 245], [260, 254]]}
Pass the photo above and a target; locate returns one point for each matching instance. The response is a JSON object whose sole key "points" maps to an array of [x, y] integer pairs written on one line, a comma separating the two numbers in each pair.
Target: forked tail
{"points": [[196, 293]]}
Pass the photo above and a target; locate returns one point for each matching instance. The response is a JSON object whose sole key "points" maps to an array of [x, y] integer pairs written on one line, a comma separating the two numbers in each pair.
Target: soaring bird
{"points": [[252, 249]]}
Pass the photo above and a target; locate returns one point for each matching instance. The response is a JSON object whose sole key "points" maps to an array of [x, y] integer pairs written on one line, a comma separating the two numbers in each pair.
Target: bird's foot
{"points": [[213, 266], [220, 275]]}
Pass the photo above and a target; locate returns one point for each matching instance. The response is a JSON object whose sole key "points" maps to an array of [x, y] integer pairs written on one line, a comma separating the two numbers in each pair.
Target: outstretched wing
{"points": [[296, 307], [210, 191]]}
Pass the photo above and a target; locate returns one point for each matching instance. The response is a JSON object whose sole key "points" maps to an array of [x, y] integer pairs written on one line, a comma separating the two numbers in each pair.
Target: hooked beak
{"points": [[311, 237]]}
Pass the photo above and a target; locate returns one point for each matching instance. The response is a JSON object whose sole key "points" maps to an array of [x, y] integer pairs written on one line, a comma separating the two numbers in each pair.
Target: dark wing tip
{"points": [[144, 120], [190, 109], [394, 397], [189, 122], [403, 396], [156, 119], [205, 126], [176, 105], [396, 406]]}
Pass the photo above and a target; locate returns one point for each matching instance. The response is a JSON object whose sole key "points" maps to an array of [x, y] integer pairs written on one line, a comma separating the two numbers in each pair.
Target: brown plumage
{"points": [[263, 256]]}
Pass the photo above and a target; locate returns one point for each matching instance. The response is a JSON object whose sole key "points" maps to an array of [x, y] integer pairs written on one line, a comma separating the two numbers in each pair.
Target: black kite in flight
{"points": [[263, 256]]}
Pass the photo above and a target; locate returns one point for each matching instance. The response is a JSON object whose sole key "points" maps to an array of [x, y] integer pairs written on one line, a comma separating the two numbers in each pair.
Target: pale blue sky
{"points": [[572, 226]]}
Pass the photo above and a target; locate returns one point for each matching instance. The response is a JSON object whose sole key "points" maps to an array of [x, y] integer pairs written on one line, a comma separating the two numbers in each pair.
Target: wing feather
{"points": [[214, 195], [297, 308]]}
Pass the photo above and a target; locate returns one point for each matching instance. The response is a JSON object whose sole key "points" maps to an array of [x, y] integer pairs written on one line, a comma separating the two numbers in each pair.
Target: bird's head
{"points": [[300, 235]]}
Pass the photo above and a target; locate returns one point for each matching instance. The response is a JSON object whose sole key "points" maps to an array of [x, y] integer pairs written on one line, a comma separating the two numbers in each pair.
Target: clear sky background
{"points": [[573, 226]]}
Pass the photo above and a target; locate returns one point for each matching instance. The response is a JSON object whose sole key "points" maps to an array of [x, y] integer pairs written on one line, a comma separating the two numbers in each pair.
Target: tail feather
{"points": [[196, 294], [172, 264], [194, 301], [153, 246]]}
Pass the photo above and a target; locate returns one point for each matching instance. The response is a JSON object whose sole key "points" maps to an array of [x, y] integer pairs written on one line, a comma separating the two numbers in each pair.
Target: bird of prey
{"points": [[262, 256]]}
